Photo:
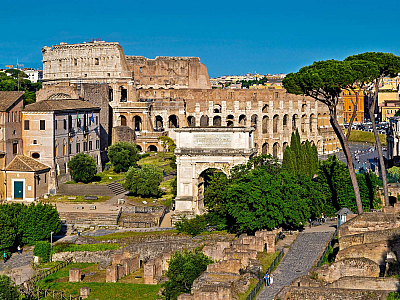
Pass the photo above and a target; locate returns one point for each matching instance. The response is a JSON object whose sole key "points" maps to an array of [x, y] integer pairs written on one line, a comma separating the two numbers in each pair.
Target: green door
{"points": [[18, 189]]}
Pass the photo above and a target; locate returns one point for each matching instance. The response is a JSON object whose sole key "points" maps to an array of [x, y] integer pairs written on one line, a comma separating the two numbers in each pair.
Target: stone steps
{"points": [[116, 188], [70, 218]]}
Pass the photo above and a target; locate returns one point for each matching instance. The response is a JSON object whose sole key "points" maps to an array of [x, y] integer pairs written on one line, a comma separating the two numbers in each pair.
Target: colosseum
{"points": [[148, 98]]}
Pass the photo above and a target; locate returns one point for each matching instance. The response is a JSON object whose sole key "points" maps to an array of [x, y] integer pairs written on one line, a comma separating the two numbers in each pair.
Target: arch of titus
{"points": [[199, 149]]}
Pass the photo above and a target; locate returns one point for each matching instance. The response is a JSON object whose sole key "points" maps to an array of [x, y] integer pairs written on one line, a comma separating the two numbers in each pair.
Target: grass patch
{"points": [[99, 290], [266, 259], [102, 178], [393, 296], [84, 247], [78, 199], [129, 234], [156, 160], [365, 136]]}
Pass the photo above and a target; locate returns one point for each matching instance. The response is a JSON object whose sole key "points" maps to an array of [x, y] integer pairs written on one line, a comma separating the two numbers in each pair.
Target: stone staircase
{"points": [[89, 218], [116, 188]]}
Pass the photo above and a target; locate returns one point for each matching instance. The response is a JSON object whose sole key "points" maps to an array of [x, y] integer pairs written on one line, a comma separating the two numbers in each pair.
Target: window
{"points": [[84, 146], [42, 125], [97, 120], [90, 145], [35, 155], [55, 124], [34, 142], [96, 61], [75, 62], [65, 124], [15, 148], [97, 144], [26, 125], [69, 148], [78, 147], [64, 149]]}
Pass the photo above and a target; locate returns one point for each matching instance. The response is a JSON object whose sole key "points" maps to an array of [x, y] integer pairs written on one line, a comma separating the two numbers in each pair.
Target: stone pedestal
{"points": [[75, 275], [112, 274], [85, 292]]}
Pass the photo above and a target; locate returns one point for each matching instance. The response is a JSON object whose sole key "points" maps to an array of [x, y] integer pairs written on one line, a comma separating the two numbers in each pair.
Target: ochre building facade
{"points": [[152, 97]]}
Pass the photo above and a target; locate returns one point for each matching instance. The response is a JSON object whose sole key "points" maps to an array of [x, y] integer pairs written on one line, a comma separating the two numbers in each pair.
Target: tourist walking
{"points": [[19, 249], [266, 279], [4, 256], [271, 279]]}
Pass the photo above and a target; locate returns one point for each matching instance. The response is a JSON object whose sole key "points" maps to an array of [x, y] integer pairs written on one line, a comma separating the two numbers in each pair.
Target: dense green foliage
{"points": [[167, 143], [248, 83], [263, 195], [334, 178], [144, 181], [8, 289], [42, 249], [10, 83], [300, 159], [184, 267], [82, 167], [192, 226], [21, 224], [123, 155], [84, 247]]}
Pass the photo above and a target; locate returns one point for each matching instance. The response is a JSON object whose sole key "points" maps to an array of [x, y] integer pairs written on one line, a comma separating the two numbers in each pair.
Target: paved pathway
{"points": [[18, 266], [297, 262]]}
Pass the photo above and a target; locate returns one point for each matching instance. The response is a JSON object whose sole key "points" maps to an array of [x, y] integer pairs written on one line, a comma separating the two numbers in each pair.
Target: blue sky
{"points": [[230, 37]]}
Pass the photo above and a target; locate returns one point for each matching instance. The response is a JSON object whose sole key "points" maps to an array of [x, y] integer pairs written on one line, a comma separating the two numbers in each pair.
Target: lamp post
{"points": [[51, 246]]}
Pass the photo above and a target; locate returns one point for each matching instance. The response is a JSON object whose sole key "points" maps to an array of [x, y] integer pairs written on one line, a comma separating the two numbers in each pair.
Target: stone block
{"points": [[84, 292], [121, 201], [225, 266], [112, 273], [149, 270], [75, 275], [185, 297]]}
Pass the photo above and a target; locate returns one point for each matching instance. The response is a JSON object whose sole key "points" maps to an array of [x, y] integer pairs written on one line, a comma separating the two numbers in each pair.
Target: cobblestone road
{"points": [[297, 262], [17, 260]]}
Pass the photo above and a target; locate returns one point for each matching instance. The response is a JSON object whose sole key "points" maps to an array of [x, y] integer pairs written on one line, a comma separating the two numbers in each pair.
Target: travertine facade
{"points": [[155, 96]]}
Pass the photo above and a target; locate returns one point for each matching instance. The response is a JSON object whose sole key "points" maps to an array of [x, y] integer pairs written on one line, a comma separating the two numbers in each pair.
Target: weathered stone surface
{"points": [[225, 266], [376, 252], [216, 252], [269, 239], [371, 283], [361, 267], [373, 236], [74, 275], [84, 292]]}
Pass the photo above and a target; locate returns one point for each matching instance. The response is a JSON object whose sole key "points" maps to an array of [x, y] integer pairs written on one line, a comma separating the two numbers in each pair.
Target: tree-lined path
{"points": [[298, 261]]}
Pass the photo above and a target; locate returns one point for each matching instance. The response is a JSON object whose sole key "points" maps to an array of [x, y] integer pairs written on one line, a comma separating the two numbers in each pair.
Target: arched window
{"points": [[265, 149], [275, 150], [275, 123], [152, 148], [191, 121], [303, 123], [217, 108], [173, 121], [229, 120], [204, 121], [265, 122], [254, 121], [137, 120], [265, 108], [159, 123], [294, 122], [312, 120], [242, 120], [285, 121], [217, 121], [123, 120]]}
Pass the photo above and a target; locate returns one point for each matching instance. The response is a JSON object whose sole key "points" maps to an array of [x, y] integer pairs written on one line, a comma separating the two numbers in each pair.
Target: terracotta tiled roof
{"points": [[9, 98], [60, 105], [24, 163]]}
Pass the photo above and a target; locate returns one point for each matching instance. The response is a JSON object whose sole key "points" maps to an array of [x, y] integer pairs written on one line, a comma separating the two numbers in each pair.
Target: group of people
{"points": [[269, 279], [19, 249]]}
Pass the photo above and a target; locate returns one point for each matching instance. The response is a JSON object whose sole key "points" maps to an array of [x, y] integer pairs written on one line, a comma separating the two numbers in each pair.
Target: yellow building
{"points": [[389, 109], [348, 99]]}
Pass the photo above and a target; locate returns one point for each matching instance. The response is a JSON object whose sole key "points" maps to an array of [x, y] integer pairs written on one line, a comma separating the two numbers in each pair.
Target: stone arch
{"points": [[265, 148], [275, 124], [137, 123], [191, 121], [122, 120], [173, 121], [284, 145], [312, 121], [242, 120], [303, 123], [265, 122], [295, 119], [254, 121], [319, 120], [204, 121], [217, 121], [159, 123], [217, 108], [139, 147], [152, 148], [229, 120], [325, 119], [285, 121], [265, 109], [59, 96], [303, 107], [275, 150]]}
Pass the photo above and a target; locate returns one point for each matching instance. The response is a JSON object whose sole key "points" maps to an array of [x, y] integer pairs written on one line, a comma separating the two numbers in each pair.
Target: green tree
{"points": [[167, 143], [8, 289], [324, 81], [144, 181], [7, 230], [184, 267], [387, 64], [82, 167], [192, 226], [39, 221], [123, 155]]}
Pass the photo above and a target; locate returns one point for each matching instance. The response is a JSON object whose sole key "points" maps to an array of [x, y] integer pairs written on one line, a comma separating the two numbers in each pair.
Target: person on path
{"points": [[271, 279], [266, 279], [4, 256], [19, 249]]}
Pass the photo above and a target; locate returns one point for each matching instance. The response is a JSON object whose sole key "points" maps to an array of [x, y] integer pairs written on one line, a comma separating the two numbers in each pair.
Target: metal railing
{"points": [[329, 244], [55, 294], [260, 282]]}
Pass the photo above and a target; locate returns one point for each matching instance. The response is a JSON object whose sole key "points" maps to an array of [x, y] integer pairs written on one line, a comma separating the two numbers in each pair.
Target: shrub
{"points": [[82, 167], [123, 155], [144, 181], [42, 249], [184, 268], [193, 226], [8, 289]]}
